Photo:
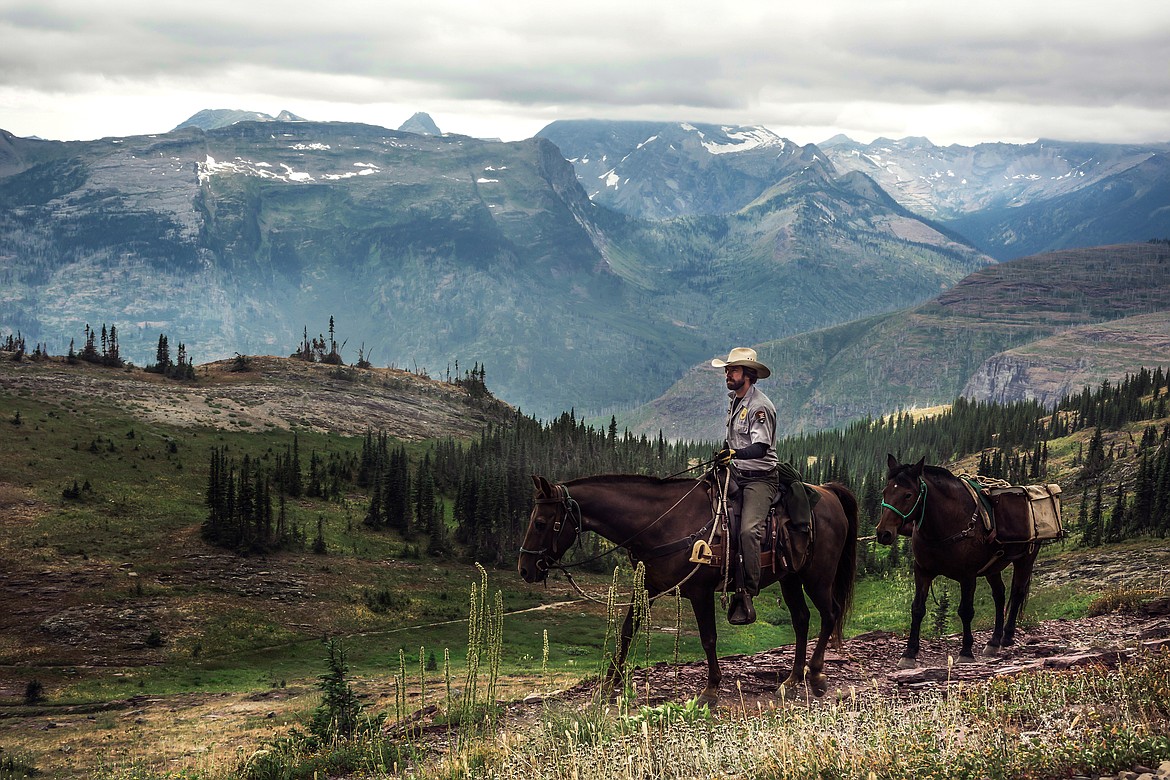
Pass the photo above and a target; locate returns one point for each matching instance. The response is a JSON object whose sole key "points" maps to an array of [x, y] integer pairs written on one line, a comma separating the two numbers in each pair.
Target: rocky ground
{"points": [[869, 661]]}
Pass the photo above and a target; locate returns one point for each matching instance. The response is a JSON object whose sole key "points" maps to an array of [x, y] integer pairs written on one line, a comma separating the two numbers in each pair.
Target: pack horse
{"points": [[941, 515], [657, 521]]}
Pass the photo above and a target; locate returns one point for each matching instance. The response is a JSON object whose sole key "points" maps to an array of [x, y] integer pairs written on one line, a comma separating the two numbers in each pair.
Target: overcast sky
{"points": [[955, 72]]}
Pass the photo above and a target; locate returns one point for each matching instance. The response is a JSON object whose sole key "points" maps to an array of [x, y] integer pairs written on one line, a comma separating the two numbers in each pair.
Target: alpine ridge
{"points": [[433, 250]]}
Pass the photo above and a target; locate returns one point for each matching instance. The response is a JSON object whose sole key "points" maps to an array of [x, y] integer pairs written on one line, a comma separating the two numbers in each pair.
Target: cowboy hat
{"points": [[743, 356]]}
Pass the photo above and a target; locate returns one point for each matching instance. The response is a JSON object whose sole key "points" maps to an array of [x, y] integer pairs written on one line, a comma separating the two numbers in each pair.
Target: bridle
{"points": [[921, 499], [569, 508]]}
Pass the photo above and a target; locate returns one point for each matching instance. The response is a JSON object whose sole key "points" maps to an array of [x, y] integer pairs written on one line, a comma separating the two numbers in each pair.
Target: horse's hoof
{"points": [[906, 662], [992, 650], [965, 659], [608, 691], [707, 698], [819, 683]]}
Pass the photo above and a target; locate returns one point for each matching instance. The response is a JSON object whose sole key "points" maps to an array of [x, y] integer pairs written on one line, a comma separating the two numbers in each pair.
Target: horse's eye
{"points": [[539, 525]]}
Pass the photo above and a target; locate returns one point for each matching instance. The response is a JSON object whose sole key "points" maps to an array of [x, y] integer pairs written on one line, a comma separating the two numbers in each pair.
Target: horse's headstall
{"points": [[569, 508]]}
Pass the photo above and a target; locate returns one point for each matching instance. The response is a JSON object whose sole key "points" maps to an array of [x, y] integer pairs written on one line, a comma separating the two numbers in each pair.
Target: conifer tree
{"points": [[1093, 531], [1115, 531], [1141, 512], [1161, 515], [1094, 463], [396, 492], [1083, 518], [162, 356]]}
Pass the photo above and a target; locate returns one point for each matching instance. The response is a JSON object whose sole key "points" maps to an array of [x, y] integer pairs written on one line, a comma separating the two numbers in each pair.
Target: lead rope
{"points": [[595, 600]]}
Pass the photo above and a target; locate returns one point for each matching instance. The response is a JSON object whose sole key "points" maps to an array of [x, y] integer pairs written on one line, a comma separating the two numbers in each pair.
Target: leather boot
{"points": [[742, 612]]}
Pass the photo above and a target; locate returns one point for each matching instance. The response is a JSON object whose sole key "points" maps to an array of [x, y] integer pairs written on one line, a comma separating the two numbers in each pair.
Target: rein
{"points": [[567, 499]]}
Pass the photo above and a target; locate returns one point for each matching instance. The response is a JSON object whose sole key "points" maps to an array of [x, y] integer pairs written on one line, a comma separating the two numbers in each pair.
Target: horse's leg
{"points": [[704, 608], [1021, 582], [617, 664], [794, 597], [995, 581], [922, 580], [966, 615], [822, 599]]}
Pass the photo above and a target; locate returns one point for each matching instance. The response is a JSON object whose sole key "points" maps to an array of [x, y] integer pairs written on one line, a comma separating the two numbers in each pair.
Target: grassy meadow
{"points": [[154, 655]]}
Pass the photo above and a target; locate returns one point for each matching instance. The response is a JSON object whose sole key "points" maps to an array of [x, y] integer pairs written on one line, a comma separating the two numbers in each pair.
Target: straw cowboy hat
{"points": [[742, 356]]}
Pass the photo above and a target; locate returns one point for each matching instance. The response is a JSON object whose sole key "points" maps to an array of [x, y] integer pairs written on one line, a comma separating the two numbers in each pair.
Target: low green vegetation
{"points": [[1044, 725], [104, 514]]}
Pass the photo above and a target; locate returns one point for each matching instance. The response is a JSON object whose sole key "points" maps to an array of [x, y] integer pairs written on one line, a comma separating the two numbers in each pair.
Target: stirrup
{"points": [[742, 611]]}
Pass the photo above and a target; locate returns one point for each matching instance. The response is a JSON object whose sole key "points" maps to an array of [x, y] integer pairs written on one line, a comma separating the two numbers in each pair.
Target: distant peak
{"points": [[838, 140], [420, 124], [214, 118]]}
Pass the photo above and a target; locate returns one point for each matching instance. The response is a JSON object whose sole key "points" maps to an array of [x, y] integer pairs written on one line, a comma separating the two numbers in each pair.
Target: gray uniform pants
{"points": [[758, 492]]}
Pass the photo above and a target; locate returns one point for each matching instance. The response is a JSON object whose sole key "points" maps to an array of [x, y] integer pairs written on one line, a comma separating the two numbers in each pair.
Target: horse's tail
{"points": [[847, 563]]}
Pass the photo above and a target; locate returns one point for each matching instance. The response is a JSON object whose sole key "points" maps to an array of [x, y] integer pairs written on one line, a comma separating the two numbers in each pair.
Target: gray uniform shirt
{"points": [[752, 420]]}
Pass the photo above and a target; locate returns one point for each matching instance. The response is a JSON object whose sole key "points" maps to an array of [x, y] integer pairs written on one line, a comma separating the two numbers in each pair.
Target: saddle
{"points": [[783, 550]]}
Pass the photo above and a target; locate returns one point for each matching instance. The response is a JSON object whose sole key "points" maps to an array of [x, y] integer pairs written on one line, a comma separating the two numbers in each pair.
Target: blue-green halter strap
{"points": [[921, 498]]}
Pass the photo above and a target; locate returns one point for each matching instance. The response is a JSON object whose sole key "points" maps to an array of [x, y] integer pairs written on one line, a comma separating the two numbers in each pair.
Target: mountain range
{"points": [[1008, 200], [589, 267]]}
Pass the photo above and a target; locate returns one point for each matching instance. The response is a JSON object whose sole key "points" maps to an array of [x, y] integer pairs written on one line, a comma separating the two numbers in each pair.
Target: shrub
{"points": [[1120, 599], [34, 692], [16, 765]]}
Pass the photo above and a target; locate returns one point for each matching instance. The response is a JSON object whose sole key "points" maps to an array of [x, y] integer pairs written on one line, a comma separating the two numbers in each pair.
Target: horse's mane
{"points": [[641, 479], [946, 479], [934, 471], [939, 471]]}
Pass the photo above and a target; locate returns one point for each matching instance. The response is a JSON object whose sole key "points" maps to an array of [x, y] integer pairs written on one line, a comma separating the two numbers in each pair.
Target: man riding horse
{"points": [[750, 450]]}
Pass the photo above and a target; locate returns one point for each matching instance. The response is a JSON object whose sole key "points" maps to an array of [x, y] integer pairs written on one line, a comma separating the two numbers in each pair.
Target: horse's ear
{"points": [[543, 487], [917, 469], [891, 463]]}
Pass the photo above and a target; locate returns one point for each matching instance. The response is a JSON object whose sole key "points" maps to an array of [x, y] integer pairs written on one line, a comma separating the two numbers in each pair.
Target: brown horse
{"points": [[658, 520], [935, 509]]}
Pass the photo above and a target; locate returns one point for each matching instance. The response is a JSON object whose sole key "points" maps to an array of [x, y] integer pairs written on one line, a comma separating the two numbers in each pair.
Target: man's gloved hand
{"points": [[723, 457]]}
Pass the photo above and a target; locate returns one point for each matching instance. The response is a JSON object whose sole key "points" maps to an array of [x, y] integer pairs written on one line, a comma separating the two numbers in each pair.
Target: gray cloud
{"points": [[1042, 67]]}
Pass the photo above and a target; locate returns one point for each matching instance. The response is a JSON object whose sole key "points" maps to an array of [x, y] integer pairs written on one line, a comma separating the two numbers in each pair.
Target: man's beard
{"points": [[735, 384]]}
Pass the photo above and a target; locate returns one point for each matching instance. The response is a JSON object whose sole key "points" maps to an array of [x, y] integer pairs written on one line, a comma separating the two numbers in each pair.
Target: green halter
{"points": [[906, 515]]}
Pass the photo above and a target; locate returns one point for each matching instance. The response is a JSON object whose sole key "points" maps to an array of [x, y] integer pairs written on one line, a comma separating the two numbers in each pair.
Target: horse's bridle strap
{"points": [[570, 507]]}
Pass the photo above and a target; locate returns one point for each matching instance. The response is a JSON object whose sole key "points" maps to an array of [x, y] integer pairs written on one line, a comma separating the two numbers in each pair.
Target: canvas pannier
{"points": [[1026, 513]]}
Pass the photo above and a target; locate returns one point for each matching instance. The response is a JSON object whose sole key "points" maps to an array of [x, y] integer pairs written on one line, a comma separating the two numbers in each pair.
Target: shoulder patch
{"points": [[761, 416]]}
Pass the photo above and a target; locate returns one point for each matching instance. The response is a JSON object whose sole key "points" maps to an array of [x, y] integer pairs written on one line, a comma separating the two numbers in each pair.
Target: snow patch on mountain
{"points": [[741, 139], [239, 166]]}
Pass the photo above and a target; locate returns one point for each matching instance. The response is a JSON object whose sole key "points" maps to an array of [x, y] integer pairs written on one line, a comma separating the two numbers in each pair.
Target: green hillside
{"points": [[926, 355]]}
